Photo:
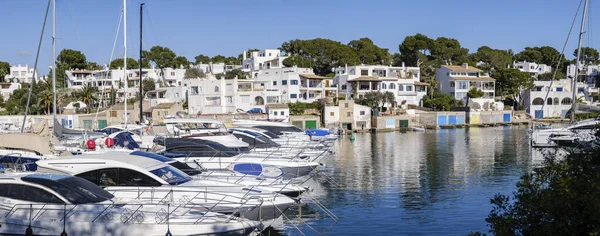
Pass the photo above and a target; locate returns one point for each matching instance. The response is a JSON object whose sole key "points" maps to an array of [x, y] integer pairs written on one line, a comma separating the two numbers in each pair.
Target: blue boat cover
{"points": [[317, 132], [172, 155], [248, 168], [125, 140], [152, 155]]}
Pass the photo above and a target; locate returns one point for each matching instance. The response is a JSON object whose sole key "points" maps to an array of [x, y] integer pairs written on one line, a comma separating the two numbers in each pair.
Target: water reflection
{"points": [[436, 182]]}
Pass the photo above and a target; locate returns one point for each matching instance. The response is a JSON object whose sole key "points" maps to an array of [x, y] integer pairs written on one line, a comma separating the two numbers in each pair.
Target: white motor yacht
{"points": [[55, 204], [133, 177], [582, 130]]}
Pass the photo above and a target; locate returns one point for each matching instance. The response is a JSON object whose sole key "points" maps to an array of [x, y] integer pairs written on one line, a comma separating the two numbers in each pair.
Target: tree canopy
{"points": [[510, 82], [325, 53], [441, 102], [72, 59], [131, 64], [493, 59], [4, 70], [369, 53], [589, 56]]}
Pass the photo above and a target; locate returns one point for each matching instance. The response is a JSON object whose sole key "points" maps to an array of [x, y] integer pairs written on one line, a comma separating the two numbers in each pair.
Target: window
{"points": [[461, 95], [258, 100], [348, 114], [294, 82], [463, 84], [194, 90], [549, 101], [452, 84], [274, 83], [311, 95], [559, 89], [332, 113], [293, 95], [364, 72], [27, 193], [344, 87], [392, 86], [362, 113], [383, 86], [229, 99], [172, 73], [269, 54], [216, 89], [113, 113], [566, 101], [409, 87], [472, 74], [282, 113], [539, 101], [275, 113], [107, 177], [400, 87], [346, 105], [171, 175], [129, 177], [284, 82]]}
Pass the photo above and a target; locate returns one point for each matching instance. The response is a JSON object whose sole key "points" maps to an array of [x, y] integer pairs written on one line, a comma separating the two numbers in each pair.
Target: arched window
{"points": [[216, 89], [538, 101], [392, 86], [549, 101], [556, 101], [566, 101], [400, 87], [259, 100], [383, 86]]}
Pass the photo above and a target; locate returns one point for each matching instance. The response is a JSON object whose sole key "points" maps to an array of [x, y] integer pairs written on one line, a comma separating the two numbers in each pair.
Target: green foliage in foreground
{"points": [[560, 197]]}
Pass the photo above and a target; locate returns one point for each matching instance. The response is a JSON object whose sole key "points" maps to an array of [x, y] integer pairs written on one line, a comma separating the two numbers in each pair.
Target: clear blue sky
{"points": [[227, 27]]}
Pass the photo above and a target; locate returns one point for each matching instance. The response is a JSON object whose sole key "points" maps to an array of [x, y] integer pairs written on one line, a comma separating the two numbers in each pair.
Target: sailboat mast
{"points": [[141, 81], [125, 57], [574, 88], [54, 60]]}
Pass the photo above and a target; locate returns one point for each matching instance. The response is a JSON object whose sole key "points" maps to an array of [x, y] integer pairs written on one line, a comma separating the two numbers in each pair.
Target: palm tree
{"points": [[88, 95], [45, 100]]}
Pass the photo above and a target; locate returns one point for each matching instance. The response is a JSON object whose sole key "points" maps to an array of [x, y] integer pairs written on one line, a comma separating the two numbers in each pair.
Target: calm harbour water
{"points": [[433, 183]]}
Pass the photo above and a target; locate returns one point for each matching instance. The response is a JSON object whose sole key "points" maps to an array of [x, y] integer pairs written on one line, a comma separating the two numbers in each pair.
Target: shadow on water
{"points": [[437, 182]]}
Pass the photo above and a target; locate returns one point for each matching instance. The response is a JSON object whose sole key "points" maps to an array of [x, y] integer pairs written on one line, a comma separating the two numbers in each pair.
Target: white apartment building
{"points": [[559, 98], [404, 82], [114, 79], [532, 68], [588, 75], [297, 84], [264, 59], [7, 89], [214, 96], [216, 68], [166, 95], [21, 74], [458, 80]]}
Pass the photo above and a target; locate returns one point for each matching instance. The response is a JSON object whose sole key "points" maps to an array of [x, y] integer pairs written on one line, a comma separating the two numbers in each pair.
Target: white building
{"points": [[404, 82], [7, 89], [264, 59], [297, 84], [278, 111], [558, 102], [166, 95], [216, 68], [214, 96], [21, 74], [532, 68], [458, 80], [588, 75]]}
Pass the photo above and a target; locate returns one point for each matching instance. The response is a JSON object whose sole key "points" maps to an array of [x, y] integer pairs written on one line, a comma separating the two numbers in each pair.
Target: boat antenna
{"points": [[125, 58], [37, 57], [141, 81], [574, 88]]}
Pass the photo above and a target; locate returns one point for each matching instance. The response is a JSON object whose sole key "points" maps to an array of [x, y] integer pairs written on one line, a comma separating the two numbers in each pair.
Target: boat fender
{"points": [[109, 142], [91, 144]]}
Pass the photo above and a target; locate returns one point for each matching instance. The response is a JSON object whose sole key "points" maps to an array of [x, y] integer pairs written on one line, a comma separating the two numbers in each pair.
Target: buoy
{"points": [[109, 142], [352, 137], [91, 144]]}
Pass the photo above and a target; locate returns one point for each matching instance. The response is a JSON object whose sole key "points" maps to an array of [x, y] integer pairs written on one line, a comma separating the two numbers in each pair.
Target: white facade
{"points": [[559, 98], [21, 74], [532, 68], [216, 68], [297, 84], [213, 96], [264, 59], [166, 95], [331, 116], [7, 89], [278, 112], [458, 80], [404, 82], [587, 75]]}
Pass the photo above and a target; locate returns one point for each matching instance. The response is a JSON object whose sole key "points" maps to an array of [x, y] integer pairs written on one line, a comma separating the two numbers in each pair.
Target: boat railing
{"points": [[200, 197], [130, 213]]}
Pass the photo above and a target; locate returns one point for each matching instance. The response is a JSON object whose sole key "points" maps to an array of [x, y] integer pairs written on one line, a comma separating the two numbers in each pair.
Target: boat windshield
{"points": [[75, 189], [171, 175], [279, 129]]}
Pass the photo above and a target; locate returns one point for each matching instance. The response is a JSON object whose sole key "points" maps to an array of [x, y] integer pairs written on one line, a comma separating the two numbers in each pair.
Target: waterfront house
{"points": [[278, 111], [261, 60], [21, 74], [404, 82], [348, 115], [534, 69], [158, 113], [7, 89], [458, 80]]}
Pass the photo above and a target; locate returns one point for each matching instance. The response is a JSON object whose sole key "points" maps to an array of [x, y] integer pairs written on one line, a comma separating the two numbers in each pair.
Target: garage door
{"points": [[310, 124]]}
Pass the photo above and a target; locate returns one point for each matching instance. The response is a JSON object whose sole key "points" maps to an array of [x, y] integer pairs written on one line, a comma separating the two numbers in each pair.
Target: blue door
{"points": [[441, 120], [460, 120], [506, 117], [539, 114], [451, 120]]}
